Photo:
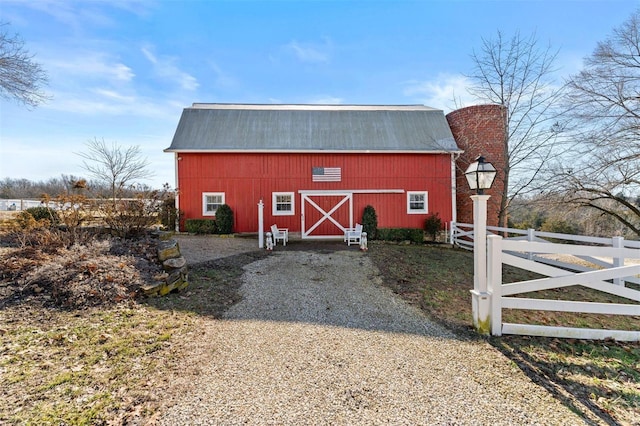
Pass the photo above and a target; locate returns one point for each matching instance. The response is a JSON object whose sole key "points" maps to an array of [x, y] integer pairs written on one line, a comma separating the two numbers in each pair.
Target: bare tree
{"points": [[116, 167], [516, 73], [21, 78], [604, 100]]}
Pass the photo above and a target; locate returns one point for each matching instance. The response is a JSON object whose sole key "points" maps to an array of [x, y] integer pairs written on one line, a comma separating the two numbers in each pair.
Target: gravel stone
{"points": [[317, 340]]}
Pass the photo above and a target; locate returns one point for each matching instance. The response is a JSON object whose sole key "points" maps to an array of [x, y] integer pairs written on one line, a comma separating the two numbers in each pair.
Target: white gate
{"points": [[326, 213], [511, 252]]}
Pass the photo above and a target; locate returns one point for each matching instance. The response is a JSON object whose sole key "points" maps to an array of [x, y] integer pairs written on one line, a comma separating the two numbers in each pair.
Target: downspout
{"points": [[454, 205], [177, 198]]}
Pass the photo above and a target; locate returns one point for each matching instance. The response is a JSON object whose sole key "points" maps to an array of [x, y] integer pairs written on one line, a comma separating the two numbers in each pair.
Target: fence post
{"points": [[260, 224], [531, 236], [451, 233], [480, 298], [618, 261], [494, 282]]}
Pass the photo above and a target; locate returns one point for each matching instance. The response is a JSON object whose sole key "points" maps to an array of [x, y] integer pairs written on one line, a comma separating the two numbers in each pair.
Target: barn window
{"points": [[211, 201], [283, 204], [417, 202]]}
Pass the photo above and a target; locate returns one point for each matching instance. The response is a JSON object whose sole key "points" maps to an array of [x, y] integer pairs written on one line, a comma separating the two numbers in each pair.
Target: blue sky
{"points": [[124, 70]]}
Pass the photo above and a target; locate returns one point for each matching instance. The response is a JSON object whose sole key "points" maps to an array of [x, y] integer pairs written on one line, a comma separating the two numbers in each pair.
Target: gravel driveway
{"points": [[317, 340]]}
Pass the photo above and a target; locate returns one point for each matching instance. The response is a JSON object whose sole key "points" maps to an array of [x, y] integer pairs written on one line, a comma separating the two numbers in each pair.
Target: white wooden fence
{"points": [[527, 249], [17, 204]]}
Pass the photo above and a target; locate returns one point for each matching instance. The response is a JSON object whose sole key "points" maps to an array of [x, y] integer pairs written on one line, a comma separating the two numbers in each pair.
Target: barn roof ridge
{"points": [[312, 128], [314, 107]]}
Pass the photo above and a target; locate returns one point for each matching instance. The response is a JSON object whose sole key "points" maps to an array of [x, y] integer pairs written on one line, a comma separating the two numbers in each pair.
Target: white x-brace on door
{"points": [[325, 215]]}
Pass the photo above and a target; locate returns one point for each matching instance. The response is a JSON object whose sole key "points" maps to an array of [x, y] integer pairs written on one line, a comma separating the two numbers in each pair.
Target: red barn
{"points": [[315, 167]]}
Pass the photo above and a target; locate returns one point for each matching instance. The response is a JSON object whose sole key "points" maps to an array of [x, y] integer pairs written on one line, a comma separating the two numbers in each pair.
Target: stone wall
{"points": [[175, 276]]}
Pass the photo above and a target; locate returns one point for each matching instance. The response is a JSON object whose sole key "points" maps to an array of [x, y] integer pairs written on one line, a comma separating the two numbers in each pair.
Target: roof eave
{"points": [[313, 151]]}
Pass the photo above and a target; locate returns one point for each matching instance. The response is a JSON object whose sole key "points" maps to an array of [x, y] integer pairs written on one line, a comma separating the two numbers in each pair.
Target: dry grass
{"points": [[102, 359], [96, 366]]}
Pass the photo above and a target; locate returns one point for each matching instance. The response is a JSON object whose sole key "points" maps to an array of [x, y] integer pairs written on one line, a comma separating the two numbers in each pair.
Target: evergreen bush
{"points": [[200, 226], [224, 219], [46, 213], [370, 222], [414, 235], [433, 225]]}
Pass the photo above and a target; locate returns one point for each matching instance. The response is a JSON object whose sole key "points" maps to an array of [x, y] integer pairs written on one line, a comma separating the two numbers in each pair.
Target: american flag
{"points": [[326, 174]]}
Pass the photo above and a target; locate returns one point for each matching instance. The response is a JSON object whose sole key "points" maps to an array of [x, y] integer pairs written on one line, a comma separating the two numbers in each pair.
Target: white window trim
{"points": [[204, 202], [275, 212], [426, 202]]}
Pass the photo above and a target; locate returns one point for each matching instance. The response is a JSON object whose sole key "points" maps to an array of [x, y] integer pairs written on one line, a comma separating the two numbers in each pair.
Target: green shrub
{"points": [[200, 226], [433, 225], [414, 235], [46, 213], [560, 226], [224, 219], [370, 222]]}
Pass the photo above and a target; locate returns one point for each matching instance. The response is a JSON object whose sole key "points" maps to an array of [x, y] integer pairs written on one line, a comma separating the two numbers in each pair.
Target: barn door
{"points": [[326, 215]]}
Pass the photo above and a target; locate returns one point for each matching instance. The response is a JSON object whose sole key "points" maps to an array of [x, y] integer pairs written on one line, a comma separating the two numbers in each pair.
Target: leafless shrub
{"points": [[129, 217]]}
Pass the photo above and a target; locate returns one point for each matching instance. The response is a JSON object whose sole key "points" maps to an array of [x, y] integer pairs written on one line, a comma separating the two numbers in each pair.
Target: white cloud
{"points": [[149, 55], [326, 100], [107, 102], [113, 95], [165, 67], [222, 79], [310, 52], [95, 65], [83, 14], [445, 92]]}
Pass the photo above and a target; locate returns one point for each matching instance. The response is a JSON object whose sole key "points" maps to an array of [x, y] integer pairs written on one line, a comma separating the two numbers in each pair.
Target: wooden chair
{"points": [[279, 234], [353, 235]]}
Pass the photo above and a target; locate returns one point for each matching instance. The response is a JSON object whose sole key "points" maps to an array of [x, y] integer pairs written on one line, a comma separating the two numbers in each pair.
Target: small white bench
{"points": [[353, 235], [279, 234]]}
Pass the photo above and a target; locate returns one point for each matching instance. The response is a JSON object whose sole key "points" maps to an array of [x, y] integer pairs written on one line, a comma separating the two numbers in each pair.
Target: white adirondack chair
{"points": [[279, 234], [353, 235]]}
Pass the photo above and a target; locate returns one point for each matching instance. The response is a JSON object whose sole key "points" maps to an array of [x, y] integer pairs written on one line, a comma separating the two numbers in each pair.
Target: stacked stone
{"points": [[174, 264]]}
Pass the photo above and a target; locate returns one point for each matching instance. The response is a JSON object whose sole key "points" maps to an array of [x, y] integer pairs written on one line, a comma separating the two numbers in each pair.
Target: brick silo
{"points": [[479, 130]]}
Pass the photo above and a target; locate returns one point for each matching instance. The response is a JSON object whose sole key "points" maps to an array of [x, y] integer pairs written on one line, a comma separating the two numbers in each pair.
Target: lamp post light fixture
{"points": [[480, 175]]}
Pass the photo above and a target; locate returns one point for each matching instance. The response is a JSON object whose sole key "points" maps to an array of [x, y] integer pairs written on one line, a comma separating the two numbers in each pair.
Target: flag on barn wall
{"points": [[326, 174]]}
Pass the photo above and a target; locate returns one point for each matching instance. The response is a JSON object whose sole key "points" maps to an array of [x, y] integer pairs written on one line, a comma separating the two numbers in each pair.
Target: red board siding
{"points": [[247, 178]]}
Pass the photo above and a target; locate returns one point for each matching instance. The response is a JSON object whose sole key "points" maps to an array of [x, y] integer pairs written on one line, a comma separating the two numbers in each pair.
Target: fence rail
{"points": [[462, 235], [20, 204], [608, 265], [610, 281]]}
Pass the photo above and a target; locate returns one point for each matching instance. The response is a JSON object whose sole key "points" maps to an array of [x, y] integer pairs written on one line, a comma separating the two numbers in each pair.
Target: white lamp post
{"points": [[480, 176]]}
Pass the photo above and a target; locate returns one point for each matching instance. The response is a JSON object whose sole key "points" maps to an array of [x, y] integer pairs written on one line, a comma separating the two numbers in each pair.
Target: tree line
{"points": [[12, 188]]}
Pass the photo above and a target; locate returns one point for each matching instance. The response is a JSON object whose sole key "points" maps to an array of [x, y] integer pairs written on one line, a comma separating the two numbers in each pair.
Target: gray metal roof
{"points": [[312, 128]]}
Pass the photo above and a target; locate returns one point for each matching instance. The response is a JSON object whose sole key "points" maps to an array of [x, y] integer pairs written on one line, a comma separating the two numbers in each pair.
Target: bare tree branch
{"points": [[115, 166], [21, 78], [516, 73], [604, 100]]}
